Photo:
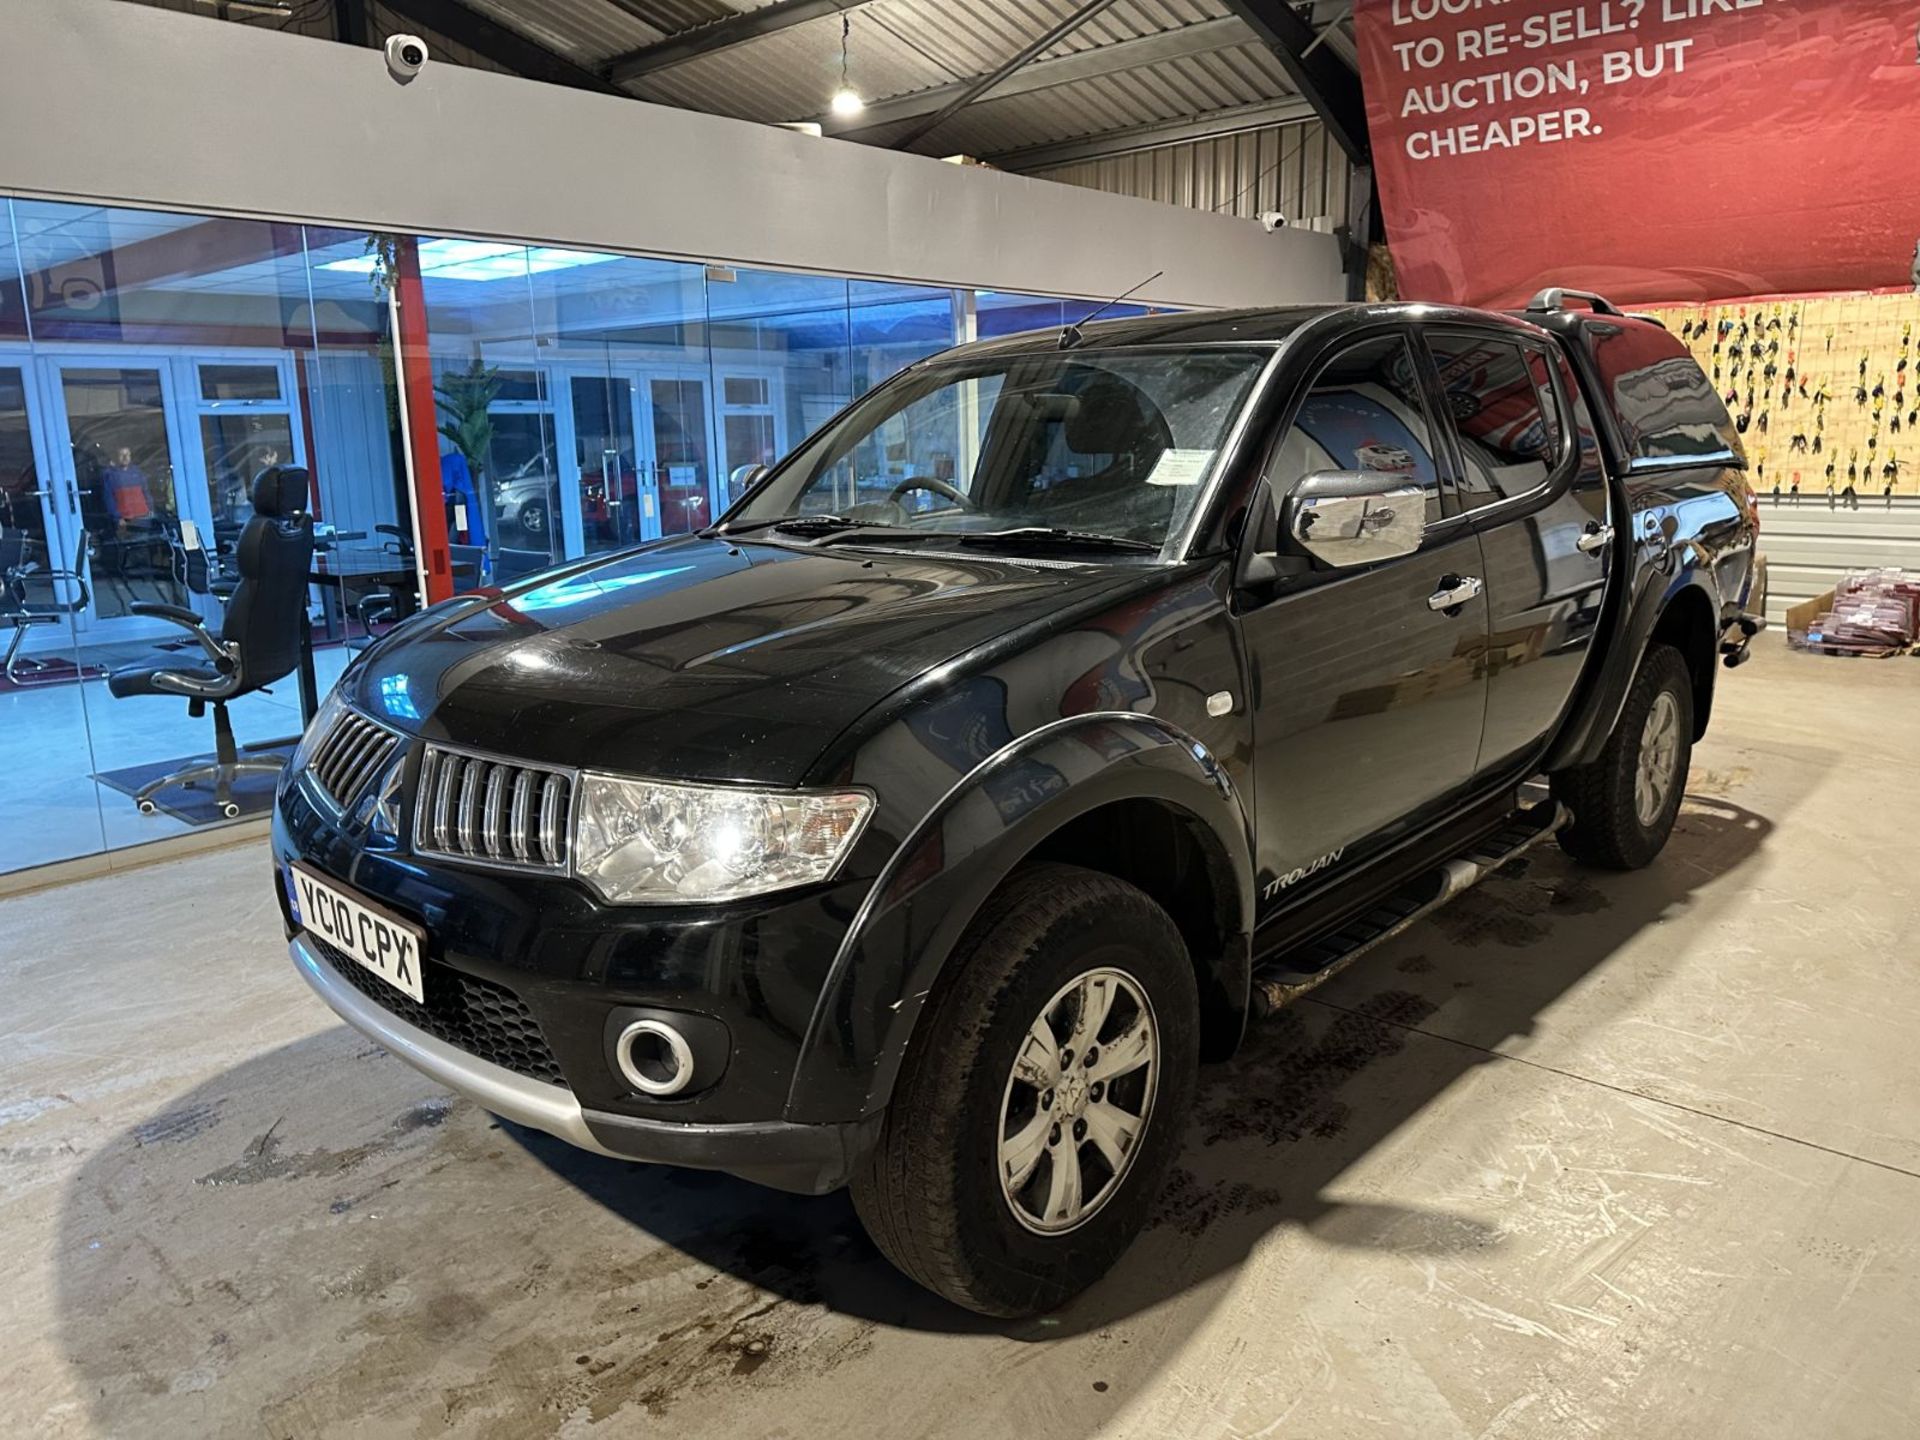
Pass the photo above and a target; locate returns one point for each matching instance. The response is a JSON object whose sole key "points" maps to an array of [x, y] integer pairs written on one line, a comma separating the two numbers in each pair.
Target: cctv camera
{"points": [[1273, 220], [406, 56]]}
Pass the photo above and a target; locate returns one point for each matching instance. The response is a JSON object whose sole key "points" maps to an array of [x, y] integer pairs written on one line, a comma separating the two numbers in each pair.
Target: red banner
{"points": [[1646, 149]]}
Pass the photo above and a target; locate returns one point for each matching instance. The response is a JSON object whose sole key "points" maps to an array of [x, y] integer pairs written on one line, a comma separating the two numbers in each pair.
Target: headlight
{"points": [[323, 721], [641, 841]]}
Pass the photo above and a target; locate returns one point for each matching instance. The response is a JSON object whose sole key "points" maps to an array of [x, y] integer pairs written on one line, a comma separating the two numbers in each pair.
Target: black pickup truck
{"points": [[1069, 700]]}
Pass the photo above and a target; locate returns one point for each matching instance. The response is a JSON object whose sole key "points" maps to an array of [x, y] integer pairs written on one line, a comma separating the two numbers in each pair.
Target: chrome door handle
{"points": [[1455, 591], [1594, 540]]}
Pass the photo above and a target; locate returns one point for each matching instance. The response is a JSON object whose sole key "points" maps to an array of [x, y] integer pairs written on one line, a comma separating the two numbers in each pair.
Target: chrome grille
{"points": [[349, 757], [492, 811]]}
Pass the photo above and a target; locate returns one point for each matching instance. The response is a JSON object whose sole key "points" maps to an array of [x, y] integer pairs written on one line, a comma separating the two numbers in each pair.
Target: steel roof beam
{"points": [[722, 35], [1317, 72], [1114, 59], [973, 89], [506, 48]]}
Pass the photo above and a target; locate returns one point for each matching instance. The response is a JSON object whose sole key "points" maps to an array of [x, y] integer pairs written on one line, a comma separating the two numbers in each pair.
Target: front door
{"points": [[679, 452], [618, 506], [1367, 702]]}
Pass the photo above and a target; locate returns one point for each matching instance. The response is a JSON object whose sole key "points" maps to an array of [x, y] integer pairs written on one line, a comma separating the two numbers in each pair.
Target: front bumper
{"points": [[541, 955], [806, 1159]]}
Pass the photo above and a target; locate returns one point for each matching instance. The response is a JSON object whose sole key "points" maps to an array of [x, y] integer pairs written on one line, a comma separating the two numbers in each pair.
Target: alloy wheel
{"points": [[1659, 765], [1078, 1100]]}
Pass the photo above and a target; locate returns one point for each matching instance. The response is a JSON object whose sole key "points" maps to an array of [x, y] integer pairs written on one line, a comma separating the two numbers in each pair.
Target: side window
{"points": [[1665, 406], [1500, 398], [1364, 412]]}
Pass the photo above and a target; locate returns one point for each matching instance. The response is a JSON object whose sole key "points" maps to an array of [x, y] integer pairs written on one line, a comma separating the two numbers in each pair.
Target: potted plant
{"points": [[463, 397]]}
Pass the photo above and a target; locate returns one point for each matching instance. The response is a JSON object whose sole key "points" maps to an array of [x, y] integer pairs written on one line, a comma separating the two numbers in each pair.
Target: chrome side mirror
{"points": [[1356, 517], [743, 479]]}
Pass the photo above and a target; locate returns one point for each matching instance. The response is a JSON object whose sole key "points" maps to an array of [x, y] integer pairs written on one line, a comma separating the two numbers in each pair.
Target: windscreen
{"points": [[1120, 444]]}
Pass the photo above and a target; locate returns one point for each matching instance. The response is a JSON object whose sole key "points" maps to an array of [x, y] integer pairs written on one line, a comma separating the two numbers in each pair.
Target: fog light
{"points": [[654, 1057]]}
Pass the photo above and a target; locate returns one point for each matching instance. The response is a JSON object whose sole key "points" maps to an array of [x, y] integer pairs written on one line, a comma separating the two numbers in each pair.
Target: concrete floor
{"points": [[55, 737], [1585, 1155]]}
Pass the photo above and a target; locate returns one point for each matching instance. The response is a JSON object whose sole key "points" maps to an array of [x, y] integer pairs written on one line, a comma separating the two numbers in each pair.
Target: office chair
{"points": [[259, 640], [204, 571], [18, 573], [381, 604], [200, 571]]}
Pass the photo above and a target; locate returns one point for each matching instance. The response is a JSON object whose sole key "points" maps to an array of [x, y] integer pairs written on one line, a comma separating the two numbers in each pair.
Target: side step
{"points": [[1298, 971]]}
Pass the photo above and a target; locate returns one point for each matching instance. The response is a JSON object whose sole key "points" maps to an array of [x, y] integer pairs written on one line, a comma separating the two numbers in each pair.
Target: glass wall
{"points": [[1002, 312], [593, 401], [151, 365]]}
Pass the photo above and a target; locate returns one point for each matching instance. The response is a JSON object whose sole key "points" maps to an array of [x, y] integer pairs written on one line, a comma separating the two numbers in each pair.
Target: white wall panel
{"points": [[230, 119]]}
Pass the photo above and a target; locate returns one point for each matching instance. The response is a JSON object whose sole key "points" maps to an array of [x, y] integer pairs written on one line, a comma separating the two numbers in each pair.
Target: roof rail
{"points": [[1556, 298]]}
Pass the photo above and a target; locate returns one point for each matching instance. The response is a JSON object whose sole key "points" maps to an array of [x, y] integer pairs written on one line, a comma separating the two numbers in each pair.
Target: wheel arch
{"points": [[1096, 774], [1172, 855], [1688, 622], [1680, 614]]}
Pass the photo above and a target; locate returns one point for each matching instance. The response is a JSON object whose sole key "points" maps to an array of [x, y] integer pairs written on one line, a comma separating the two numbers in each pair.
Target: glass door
{"points": [[615, 507], [531, 528], [46, 752], [677, 430], [43, 554], [123, 491], [27, 536]]}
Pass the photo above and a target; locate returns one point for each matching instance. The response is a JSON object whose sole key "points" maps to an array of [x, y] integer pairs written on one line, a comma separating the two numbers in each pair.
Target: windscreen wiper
{"points": [[803, 524], [1050, 535]]}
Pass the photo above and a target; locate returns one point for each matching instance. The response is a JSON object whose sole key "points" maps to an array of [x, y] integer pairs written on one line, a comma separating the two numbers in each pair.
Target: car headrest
{"points": [[1053, 408], [280, 491], [1114, 418]]}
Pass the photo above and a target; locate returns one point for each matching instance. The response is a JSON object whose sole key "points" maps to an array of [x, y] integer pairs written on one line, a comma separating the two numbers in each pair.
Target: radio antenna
{"points": [[1072, 335]]}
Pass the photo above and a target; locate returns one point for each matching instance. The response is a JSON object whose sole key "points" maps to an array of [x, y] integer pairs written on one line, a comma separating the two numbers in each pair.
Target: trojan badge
{"points": [[1294, 877]]}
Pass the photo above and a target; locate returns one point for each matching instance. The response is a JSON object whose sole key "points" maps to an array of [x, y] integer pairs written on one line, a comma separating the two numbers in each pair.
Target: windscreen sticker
{"points": [[1181, 467]]}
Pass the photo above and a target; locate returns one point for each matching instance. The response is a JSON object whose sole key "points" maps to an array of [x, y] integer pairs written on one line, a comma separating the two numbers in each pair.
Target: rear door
{"points": [[1526, 467], [1367, 701]]}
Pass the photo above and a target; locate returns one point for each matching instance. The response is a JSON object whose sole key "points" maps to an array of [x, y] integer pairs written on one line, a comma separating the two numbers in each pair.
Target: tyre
{"points": [[1624, 803], [1044, 1096], [533, 517]]}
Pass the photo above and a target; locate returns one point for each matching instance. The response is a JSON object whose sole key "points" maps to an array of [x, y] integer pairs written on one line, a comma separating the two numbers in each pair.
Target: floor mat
{"points": [[252, 793]]}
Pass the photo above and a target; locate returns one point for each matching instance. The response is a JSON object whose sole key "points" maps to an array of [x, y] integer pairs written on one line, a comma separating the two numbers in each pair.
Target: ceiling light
{"points": [[846, 101], [481, 260]]}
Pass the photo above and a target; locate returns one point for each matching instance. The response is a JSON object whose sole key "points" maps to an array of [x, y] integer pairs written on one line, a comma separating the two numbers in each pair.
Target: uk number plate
{"points": [[383, 943]]}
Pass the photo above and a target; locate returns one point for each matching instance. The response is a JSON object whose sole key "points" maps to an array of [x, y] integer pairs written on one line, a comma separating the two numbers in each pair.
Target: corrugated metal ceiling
{"points": [[904, 56], [585, 31], [789, 75], [1174, 89], [903, 48]]}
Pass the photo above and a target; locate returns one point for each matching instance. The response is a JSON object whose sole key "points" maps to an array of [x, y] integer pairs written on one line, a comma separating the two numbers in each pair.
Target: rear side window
{"points": [[1663, 403], [1504, 411], [1363, 412]]}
